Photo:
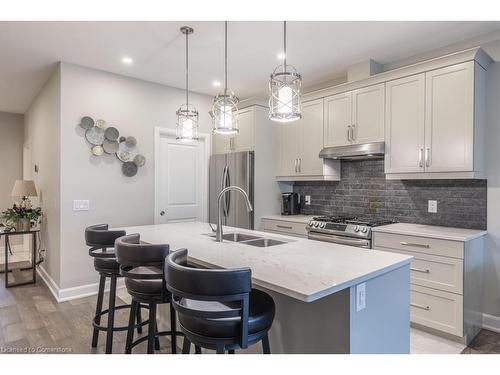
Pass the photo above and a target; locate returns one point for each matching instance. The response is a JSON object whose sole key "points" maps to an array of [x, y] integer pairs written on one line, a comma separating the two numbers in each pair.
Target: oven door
{"points": [[343, 240]]}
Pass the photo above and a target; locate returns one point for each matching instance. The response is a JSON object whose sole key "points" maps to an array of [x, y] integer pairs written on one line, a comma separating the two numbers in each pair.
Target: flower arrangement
{"points": [[22, 212]]}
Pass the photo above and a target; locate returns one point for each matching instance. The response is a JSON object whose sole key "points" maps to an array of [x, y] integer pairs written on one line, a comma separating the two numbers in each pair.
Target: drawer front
{"points": [[436, 309], [285, 227], [433, 246], [443, 273]]}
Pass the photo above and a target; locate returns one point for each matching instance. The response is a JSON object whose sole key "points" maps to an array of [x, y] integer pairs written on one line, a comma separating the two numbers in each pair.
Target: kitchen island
{"points": [[314, 285]]}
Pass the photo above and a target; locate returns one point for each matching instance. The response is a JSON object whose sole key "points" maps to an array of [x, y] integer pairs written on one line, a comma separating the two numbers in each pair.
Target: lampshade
{"points": [[24, 188]]}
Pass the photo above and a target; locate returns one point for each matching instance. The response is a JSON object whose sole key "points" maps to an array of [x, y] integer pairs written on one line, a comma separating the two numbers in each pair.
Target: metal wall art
{"points": [[107, 139]]}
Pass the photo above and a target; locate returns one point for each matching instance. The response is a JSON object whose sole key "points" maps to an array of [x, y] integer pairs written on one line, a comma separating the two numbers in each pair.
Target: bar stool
{"points": [[101, 242], [143, 267], [218, 309]]}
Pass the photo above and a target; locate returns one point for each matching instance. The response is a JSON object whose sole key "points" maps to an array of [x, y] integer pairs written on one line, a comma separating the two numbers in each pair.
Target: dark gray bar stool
{"points": [[218, 309], [143, 267], [102, 242]]}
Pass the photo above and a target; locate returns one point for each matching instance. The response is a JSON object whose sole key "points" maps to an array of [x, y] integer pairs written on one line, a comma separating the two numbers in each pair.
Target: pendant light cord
{"points": [[225, 58], [187, 72], [284, 46]]}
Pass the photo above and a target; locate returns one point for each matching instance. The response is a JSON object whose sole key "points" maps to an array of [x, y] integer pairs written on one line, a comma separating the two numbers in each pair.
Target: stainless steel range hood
{"points": [[363, 151]]}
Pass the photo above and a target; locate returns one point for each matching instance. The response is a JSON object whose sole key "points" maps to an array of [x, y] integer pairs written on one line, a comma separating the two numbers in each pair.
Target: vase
{"points": [[23, 225]]}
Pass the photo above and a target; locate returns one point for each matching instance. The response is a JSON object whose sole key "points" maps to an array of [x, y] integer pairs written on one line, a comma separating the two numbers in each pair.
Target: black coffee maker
{"points": [[290, 204]]}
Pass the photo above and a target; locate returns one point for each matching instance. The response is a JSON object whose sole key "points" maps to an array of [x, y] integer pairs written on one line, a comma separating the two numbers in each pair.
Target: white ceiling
{"points": [[321, 51]]}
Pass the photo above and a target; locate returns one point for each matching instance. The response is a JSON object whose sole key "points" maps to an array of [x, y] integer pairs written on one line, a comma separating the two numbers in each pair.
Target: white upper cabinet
{"points": [[289, 148], [338, 120], [243, 141], [310, 131], [449, 119], [368, 114], [404, 127]]}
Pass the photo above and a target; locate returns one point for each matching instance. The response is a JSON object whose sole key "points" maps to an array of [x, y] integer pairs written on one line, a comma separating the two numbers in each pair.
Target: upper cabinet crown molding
{"points": [[472, 54]]}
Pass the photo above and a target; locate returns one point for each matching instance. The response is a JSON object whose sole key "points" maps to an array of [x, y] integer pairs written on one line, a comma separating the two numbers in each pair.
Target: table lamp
{"points": [[24, 189]]}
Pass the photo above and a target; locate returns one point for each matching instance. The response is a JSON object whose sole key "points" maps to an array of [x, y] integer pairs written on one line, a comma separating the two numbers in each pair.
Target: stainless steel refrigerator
{"points": [[234, 169]]}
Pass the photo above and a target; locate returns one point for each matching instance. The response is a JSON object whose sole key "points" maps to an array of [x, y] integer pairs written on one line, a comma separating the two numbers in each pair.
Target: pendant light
{"points": [[187, 115], [285, 91], [225, 107]]}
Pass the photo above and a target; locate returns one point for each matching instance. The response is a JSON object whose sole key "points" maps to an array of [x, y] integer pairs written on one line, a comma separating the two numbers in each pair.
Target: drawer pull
{"points": [[284, 227], [420, 270], [415, 244], [420, 306]]}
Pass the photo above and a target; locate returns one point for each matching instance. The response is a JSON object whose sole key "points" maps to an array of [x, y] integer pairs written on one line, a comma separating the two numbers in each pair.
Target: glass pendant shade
{"points": [[187, 123], [285, 87], [186, 128]]}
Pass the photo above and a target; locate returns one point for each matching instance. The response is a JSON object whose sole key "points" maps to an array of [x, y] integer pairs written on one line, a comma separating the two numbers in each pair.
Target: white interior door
{"points": [[181, 186]]}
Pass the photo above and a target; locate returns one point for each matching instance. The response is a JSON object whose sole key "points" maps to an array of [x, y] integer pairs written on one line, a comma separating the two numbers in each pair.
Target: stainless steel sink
{"points": [[239, 237], [264, 242]]}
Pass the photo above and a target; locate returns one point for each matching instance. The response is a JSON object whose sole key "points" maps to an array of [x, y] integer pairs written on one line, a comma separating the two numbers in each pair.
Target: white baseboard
{"points": [[491, 322], [67, 294]]}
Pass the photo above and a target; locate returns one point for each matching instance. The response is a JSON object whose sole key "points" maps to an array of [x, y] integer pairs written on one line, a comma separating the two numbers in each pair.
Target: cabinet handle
{"points": [[349, 133], [427, 157], [353, 126], [420, 157], [420, 270], [296, 166], [415, 244], [300, 165], [420, 306], [283, 226]]}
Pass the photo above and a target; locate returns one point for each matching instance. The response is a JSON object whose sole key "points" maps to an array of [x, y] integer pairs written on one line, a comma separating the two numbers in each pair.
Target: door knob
{"points": [[162, 213]]}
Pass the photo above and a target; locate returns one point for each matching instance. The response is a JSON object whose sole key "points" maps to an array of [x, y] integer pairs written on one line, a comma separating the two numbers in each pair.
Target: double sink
{"points": [[249, 239]]}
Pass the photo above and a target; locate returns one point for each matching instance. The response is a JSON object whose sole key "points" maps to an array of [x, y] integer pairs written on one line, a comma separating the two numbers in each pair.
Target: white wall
{"points": [[42, 132], [135, 107]]}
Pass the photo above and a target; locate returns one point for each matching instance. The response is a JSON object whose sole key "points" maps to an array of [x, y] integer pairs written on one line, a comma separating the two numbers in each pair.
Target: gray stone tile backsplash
{"points": [[364, 191]]}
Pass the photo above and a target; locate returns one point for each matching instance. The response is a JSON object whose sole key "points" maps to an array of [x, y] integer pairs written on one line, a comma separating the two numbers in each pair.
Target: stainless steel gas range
{"points": [[345, 230]]}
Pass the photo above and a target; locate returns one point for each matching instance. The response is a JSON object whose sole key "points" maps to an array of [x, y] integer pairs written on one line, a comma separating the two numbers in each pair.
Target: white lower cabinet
{"points": [[283, 226], [445, 281]]}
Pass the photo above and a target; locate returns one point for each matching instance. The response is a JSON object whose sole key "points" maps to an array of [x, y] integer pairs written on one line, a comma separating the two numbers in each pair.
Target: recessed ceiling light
{"points": [[127, 60], [216, 83], [281, 56]]}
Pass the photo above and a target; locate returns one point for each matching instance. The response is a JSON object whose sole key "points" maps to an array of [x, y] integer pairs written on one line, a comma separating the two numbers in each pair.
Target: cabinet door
{"points": [[221, 143], [338, 118], [288, 141], [449, 120], [404, 128], [244, 140], [310, 130], [368, 114]]}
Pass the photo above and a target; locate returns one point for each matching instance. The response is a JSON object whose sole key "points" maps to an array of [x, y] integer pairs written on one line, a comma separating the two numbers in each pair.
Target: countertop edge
{"points": [[416, 233]]}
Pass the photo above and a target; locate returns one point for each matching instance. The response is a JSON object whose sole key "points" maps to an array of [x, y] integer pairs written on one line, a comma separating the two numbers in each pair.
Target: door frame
{"points": [[168, 132]]}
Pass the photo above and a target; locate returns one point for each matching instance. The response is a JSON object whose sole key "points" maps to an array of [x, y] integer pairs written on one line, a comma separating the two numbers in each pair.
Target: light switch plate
{"points": [[308, 200], [360, 297], [433, 206], [81, 205]]}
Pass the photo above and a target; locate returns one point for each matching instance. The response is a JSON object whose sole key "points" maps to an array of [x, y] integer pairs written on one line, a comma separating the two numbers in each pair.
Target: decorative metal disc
{"points": [[122, 139], [129, 169], [95, 135], [97, 150], [101, 124], [139, 160], [125, 153], [110, 147], [131, 142], [111, 134], [87, 122]]}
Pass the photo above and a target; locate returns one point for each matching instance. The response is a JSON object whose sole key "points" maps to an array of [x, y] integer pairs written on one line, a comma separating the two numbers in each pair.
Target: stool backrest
{"points": [[99, 236], [130, 252], [231, 285]]}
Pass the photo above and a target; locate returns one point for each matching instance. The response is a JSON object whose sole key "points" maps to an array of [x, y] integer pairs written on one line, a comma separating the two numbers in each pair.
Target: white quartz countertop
{"points": [[431, 231], [302, 269], [290, 218]]}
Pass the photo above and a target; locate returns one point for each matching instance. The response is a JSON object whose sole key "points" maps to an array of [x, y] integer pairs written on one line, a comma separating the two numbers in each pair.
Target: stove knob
{"points": [[364, 229], [316, 225], [310, 223], [322, 225], [356, 228]]}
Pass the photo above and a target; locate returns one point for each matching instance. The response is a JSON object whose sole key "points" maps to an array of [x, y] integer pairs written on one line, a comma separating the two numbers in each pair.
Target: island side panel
{"points": [[384, 325]]}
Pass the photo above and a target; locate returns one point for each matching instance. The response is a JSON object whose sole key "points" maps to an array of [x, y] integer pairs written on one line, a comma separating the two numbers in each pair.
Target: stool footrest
{"points": [[158, 334], [117, 329]]}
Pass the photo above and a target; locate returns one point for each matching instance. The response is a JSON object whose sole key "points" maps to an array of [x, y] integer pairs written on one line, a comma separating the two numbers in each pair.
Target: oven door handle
{"points": [[339, 239]]}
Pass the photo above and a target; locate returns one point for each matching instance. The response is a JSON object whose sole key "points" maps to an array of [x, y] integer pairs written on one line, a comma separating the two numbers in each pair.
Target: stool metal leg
{"points": [[98, 310], [186, 346], [173, 329], [152, 327], [111, 315], [130, 332], [220, 349], [139, 318], [231, 351], [197, 349], [157, 338], [265, 345]]}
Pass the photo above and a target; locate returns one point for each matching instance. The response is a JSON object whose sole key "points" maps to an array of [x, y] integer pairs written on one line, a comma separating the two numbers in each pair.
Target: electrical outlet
{"points": [[433, 206], [308, 200], [360, 297], [81, 205]]}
